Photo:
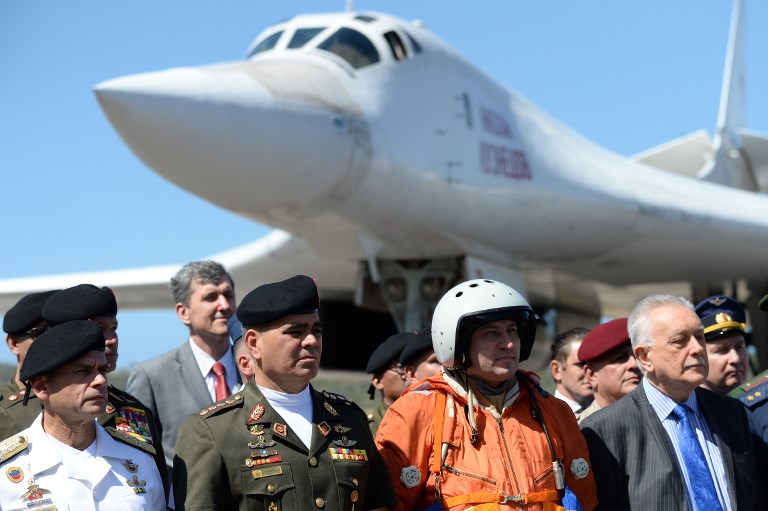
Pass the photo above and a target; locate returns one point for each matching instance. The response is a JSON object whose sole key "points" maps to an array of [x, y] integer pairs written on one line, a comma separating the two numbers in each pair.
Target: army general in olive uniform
{"points": [[279, 444]]}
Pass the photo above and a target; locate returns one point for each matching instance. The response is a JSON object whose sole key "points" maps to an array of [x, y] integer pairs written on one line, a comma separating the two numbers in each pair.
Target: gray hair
{"points": [[638, 323], [205, 272]]}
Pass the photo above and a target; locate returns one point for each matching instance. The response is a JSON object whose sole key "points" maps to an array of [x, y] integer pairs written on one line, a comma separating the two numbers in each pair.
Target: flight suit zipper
{"points": [[458, 472], [509, 456]]}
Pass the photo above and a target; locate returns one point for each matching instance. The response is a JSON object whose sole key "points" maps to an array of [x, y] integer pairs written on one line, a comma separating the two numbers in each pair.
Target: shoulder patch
{"points": [[224, 404], [12, 446], [132, 440], [755, 395]]}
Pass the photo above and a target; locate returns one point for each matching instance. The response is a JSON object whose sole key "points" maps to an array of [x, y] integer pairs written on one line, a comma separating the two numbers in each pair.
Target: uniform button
{"points": [[354, 481], [271, 488], [354, 496], [313, 461], [319, 502]]}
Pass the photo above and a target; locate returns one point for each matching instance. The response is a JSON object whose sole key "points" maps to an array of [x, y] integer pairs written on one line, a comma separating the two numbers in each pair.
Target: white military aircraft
{"points": [[391, 167]]}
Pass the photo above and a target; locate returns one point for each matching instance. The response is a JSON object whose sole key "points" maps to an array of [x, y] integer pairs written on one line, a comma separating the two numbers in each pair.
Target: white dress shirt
{"points": [[107, 476], [575, 407], [205, 364]]}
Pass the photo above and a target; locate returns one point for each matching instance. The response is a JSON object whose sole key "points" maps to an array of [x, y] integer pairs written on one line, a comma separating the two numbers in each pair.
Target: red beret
{"points": [[603, 338]]}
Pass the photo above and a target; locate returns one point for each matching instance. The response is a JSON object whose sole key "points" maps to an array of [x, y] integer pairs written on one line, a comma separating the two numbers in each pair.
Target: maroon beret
{"points": [[603, 338]]}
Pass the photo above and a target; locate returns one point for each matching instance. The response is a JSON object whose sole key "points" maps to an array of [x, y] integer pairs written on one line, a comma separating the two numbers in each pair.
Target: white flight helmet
{"points": [[471, 304]]}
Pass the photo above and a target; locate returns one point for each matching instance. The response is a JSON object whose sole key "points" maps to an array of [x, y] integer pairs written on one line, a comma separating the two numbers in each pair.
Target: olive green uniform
{"points": [[374, 418], [14, 416], [240, 454]]}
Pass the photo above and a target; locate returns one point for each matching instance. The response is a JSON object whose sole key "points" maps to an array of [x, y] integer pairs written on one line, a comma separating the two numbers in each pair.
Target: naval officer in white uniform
{"points": [[65, 460]]}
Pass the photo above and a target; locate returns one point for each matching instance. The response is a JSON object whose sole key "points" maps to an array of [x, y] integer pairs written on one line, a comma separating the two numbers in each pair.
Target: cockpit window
{"points": [[352, 46], [267, 44], [302, 35], [397, 46], [414, 44]]}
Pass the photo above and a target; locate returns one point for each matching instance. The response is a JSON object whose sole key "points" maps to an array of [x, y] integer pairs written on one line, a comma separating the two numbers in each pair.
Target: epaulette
{"points": [[224, 404], [755, 395], [132, 440], [12, 446], [122, 397], [747, 387], [14, 399], [339, 398]]}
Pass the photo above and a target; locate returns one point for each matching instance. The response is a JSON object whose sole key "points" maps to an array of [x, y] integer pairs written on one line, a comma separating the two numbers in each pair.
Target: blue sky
{"points": [[628, 75]]}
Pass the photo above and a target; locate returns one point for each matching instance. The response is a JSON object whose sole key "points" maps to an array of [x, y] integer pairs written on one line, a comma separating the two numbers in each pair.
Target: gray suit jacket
{"points": [[635, 464], [172, 387]]}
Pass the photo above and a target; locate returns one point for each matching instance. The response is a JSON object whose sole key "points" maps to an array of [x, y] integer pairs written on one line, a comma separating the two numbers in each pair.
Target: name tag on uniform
{"points": [[258, 473], [339, 453]]}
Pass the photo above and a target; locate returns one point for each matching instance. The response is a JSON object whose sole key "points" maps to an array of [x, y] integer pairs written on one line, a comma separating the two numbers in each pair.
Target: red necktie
{"points": [[222, 390]]}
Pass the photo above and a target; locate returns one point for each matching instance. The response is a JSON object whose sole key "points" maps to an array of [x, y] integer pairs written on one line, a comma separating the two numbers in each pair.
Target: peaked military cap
{"points": [[604, 338], [387, 352], [235, 328], [418, 342], [720, 314], [297, 295], [80, 302], [26, 313], [60, 345]]}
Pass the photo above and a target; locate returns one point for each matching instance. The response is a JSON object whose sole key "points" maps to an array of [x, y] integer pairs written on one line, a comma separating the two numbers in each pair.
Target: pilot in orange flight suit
{"points": [[446, 439]]}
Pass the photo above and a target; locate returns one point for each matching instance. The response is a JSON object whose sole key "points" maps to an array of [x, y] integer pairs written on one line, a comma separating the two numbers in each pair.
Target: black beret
{"points": [[297, 295], [26, 313], [418, 343], [720, 314], [387, 352], [80, 302], [59, 346]]}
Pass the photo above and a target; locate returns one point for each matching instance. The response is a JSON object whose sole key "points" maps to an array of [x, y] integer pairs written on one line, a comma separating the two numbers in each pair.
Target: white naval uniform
{"points": [[38, 478]]}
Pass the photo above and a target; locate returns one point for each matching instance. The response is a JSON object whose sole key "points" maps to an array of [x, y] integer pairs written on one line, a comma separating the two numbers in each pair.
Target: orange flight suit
{"points": [[509, 465]]}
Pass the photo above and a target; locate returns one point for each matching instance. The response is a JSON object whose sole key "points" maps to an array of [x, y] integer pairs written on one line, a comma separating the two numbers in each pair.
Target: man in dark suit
{"points": [[178, 383], [642, 447]]}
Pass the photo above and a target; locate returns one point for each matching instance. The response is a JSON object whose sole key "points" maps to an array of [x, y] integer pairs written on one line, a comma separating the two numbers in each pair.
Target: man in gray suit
{"points": [[643, 445], [180, 382]]}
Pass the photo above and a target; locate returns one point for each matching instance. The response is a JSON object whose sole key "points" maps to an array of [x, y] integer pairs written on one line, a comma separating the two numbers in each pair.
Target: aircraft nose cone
{"points": [[260, 135]]}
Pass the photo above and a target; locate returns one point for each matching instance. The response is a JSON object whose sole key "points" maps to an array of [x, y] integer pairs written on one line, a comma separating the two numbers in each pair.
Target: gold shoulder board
{"points": [[131, 440], [12, 446]]}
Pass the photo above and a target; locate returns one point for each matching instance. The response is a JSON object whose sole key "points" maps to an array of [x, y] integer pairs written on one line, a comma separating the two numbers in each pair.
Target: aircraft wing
{"points": [[273, 257]]}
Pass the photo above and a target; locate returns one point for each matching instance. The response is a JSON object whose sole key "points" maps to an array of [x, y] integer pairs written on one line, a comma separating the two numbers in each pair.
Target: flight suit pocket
{"points": [[270, 488], [351, 479]]}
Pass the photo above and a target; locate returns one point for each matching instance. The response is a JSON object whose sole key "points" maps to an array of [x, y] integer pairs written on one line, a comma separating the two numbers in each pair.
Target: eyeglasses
{"points": [[35, 332], [397, 368]]}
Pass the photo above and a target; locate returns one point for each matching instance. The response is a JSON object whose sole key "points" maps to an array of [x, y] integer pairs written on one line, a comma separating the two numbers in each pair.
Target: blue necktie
{"points": [[702, 485]]}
